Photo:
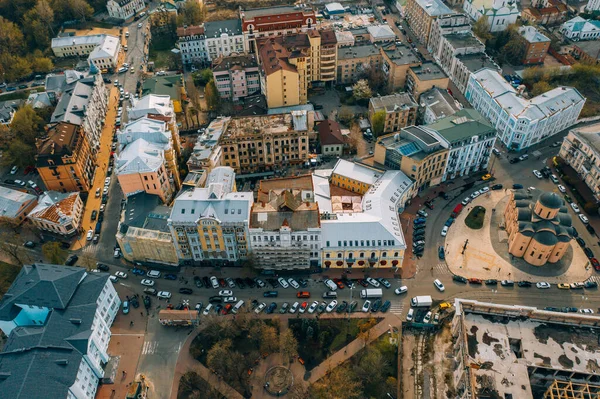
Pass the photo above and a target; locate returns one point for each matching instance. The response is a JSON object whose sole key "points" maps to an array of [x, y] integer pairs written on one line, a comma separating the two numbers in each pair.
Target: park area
{"points": [[475, 218]]}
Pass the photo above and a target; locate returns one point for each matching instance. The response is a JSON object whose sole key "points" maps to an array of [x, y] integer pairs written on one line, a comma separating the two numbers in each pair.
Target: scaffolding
{"points": [[572, 390]]}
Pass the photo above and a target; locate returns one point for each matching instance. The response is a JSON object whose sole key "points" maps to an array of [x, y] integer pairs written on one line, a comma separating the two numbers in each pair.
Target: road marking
{"points": [[149, 347], [397, 307]]}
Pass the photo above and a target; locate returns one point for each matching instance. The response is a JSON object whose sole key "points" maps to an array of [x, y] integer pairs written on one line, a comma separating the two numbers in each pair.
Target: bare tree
{"points": [[288, 344]]}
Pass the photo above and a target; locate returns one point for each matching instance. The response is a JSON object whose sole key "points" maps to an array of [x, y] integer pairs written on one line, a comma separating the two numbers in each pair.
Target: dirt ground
{"points": [[408, 381], [440, 366], [94, 31]]}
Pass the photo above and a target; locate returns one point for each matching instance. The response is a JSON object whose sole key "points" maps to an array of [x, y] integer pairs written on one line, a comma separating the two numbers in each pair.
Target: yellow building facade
{"points": [[539, 228]]}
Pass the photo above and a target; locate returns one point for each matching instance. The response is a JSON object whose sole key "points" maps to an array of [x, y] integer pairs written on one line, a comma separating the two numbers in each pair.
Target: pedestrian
{"points": [[142, 314], [131, 323]]}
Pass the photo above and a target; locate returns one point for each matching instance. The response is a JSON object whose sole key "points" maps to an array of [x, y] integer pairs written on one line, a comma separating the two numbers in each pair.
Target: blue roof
{"points": [[408, 149]]}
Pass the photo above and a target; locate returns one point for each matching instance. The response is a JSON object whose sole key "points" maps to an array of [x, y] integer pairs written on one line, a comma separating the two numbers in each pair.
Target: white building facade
{"points": [[522, 123], [58, 213], [500, 13], [124, 9], [192, 45], [106, 54], [223, 38], [581, 29]]}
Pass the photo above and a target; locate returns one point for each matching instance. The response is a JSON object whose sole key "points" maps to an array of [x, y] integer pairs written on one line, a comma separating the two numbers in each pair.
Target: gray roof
{"points": [[276, 10], [546, 238], [72, 104], [146, 211], [8, 108], [550, 200], [461, 40], [440, 102], [232, 27], [12, 201], [429, 71], [48, 357], [393, 102], [475, 62], [400, 54], [434, 8], [348, 53]]}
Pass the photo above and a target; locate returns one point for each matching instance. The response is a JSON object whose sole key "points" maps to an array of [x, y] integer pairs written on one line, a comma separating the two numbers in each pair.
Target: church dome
{"points": [[550, 200]]}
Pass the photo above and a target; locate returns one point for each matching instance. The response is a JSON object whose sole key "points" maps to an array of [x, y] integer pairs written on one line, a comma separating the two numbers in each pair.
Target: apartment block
{"points": [[400, 111], [285, 227], [106, 54], [447, 25], [537, 45], [522, 122], [57, 319], [15, 205], [84, 103], [396, 61], [551, 12], [354, 62], [471, 139], [354, 177], [58, 213], [437, 104], [210, 224], [425, 77], [421, 15], [275, 21], [581, 151], [207, 152], [76, 46], [236, 76], [192, 43], [65, 160], [421, 153], [223, 38], [124, 9], [259, 143]]}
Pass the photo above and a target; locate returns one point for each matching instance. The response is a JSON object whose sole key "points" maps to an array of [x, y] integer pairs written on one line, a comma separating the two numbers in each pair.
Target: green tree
{"points": [[268, 341], [11, 37], [288, 344], [361, 90], [211, 96], [40, 63], [481, 28], [19, 153], [26, 124], [201, 78], [372, 360], [378, 123], [54, 253], [540, 88]]}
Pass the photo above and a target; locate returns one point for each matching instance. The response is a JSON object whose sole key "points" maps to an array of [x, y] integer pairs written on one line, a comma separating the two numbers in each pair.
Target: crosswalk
{"points": [[397, 307], [90, 249], [595, 279], [441, 269], [149, 347]]}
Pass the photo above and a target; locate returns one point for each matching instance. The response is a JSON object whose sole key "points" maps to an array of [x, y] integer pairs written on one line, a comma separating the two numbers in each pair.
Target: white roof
{"points": [[379, 217], [151, 104], [151, 130], [356, 171], [532, 35], [109, 48], [381, 31], [322, 192], [140, 157], [77, 40], [211, 203], [11, 201], [333, 7], [222, 177], [538, 107]]}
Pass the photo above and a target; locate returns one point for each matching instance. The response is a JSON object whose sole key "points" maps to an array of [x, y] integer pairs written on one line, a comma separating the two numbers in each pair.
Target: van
{"points": [[237, 306], [330, 284], [330, 294], [153, 274]]}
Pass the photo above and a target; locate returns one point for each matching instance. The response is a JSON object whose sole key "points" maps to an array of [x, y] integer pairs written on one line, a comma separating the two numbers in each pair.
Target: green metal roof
{"points": [[163, 85], [463, 124]]}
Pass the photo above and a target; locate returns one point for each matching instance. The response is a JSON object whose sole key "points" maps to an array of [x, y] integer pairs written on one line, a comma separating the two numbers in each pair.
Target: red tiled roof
{"points": [[330, 133], [190, 30], [64, 206]]}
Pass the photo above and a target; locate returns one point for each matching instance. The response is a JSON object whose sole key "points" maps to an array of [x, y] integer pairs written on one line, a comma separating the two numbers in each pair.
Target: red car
{"points": [[222, 283], [226, 309], [363, 283], [339, 283], [475, 281], [29, 169], [595, 263], [303, 306]]}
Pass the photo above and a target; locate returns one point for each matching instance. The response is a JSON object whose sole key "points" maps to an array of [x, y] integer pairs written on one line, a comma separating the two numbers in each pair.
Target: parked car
{"points": [[507, 283], [125, 307], [542, 285], [71, 260], [121, 275], [525, 284], [164, 295], [282, 282], [147, 282], [186, 291], [459, 279], [583, 218], [438, 284], [366, 306]]}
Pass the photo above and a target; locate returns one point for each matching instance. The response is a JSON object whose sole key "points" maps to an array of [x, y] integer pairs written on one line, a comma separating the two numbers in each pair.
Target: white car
{"points": [[207, 309], [105, 190], [294, 307], [401, 290], [260, 283], [107, 181], [260, 308], [484, 189], [438, 284], [562, 188], [538, 174], [225, 293], [586, 311], [583, 218], [410, 315], [89, 235], [163, 295], [366, 306], [121, 275], [466, 201], [444, 231], [140, 25], [422, 213], [575, 207], [331, 306], [19, 183], [147, 282], [313, 306], [282, 282], [198, 307], [230, 299], [293, 283], [373, 282], [125, 65], [427, 318], [542, 285], [476, 194], [214, 282]]}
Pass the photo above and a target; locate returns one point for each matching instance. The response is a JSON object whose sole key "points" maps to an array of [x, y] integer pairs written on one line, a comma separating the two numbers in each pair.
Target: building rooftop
{"points": [[360, 51], [150, 104], [334, 8], [56, 207], [170, 85], [151, 130], [285, 208], [356, 171], [508, 343], [267, 124], [11, 201], [589, 134], [145, 211], [415, 142], [109, 47], [538, 107], [428, 71], [68, 41], [330, 133], [344, 37], [532, 35], [434, 8], [140, 157], [393, 102], [462, 125], [590, 47], [579, 24], [463, 40], [190, 31], [234, 61], [475, 62], [400, 54], [209, 140], [48, 356], [216, 29], [275, 10], [74, 101], [439, 102], [381, 32]]}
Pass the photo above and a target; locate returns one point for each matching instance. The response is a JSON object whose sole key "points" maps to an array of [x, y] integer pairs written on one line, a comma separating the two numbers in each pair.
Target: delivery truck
{"points": [[421, 301], [371, 293]]}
